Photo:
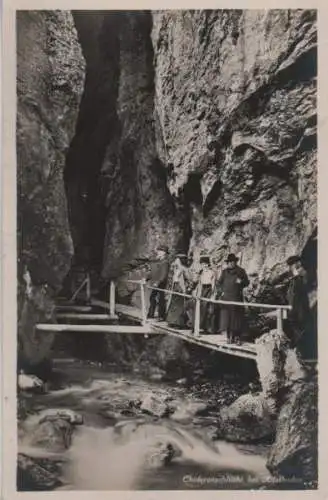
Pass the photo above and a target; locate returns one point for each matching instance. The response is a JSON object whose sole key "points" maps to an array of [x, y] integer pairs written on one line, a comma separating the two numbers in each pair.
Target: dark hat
{"points": [[232, 258], [204, 259], [164, 248], [293, 259]]}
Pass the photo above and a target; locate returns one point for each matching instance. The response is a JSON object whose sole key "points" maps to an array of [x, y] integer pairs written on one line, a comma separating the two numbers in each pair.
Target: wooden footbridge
{"points": [[109, 317]]}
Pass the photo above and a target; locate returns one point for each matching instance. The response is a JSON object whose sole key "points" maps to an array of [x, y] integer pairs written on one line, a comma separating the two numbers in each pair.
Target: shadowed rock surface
{"points": [[50, 77], [194, 134], [241, 124], [295, 450], [33, 476]]}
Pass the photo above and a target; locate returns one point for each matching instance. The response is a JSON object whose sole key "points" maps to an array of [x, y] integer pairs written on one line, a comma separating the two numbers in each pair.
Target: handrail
{"points": [[279, 308], [248, 304], [218, 301], [85, 283]]}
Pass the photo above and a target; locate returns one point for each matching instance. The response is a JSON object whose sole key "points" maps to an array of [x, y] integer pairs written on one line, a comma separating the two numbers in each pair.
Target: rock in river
{"points": [[162, 454], [155, 405], [187, 411], [29, 382], [51, 429], [248, 419]]}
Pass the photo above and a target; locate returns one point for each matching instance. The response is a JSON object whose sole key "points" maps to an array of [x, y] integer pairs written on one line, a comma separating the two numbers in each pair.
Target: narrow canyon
{"points": [[135, 129]]}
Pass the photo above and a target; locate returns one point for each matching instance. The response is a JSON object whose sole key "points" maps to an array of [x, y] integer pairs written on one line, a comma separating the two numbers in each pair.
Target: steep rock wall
{"points": [[121, 208], [50, 75], [236, 105], [196, 129]]}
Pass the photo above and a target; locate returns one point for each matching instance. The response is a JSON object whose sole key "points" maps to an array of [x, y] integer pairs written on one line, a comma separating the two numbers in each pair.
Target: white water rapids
{"points": [[119, 457]]}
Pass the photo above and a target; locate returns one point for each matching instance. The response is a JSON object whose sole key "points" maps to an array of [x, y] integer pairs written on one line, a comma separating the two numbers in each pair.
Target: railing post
{"points": [[279, 320], [88, 287], [112, 300], [143, 302], [197, 317]]}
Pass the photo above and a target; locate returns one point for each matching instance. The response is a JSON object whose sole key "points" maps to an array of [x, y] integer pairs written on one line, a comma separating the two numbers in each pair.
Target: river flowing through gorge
{"points": [[119, 447]]}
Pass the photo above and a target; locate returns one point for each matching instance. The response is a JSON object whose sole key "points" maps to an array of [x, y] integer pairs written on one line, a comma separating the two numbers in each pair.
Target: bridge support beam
{"points": [[279, 321], [143, 303], [197, 317], [112, 292]]}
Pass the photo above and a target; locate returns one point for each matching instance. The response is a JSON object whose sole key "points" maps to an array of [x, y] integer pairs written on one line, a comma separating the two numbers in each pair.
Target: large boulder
{"points": [[50, 429], [55, 435], [294, 452], [250, 418], [271, 358], [278, 364]]}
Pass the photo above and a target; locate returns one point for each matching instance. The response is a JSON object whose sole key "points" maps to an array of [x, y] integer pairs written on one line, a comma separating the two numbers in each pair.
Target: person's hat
{"points": [[204, 259], [163, 248], [293, 259], [231, 258]]}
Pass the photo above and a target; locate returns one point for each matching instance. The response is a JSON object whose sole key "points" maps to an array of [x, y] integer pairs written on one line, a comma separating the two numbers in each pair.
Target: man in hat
{"points": [[158, 279], [206, 288], [232, 281], [175, 312], [298, 299]]}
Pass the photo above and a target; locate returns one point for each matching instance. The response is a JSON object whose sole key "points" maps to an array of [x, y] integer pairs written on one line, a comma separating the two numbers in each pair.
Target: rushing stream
{"points": [[119, 448]]}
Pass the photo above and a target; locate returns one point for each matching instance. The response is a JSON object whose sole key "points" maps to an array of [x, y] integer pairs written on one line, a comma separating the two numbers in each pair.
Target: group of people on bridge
{"points": [[184, 277]]}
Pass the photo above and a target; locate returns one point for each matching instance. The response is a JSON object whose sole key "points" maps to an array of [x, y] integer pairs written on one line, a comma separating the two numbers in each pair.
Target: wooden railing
{"points": [[281, 310]]}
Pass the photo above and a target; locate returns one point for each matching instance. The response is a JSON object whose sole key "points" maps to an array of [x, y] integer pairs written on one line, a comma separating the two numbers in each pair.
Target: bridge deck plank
{"points": [[214, 342]]}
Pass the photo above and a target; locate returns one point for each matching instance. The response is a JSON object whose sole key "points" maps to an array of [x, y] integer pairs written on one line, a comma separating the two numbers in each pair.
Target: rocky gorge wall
{"points": [[50, 77], [121, 207], [236, 103], [196, 129]]}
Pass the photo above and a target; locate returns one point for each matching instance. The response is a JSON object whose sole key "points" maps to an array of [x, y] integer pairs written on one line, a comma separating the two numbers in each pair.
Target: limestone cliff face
{"points": [[121, 208], [236, 108], [197, 129], [50, 74]]}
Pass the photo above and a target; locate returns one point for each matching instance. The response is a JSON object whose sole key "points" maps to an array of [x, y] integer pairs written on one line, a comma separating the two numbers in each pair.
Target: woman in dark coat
{"points": [[231, 283]]}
